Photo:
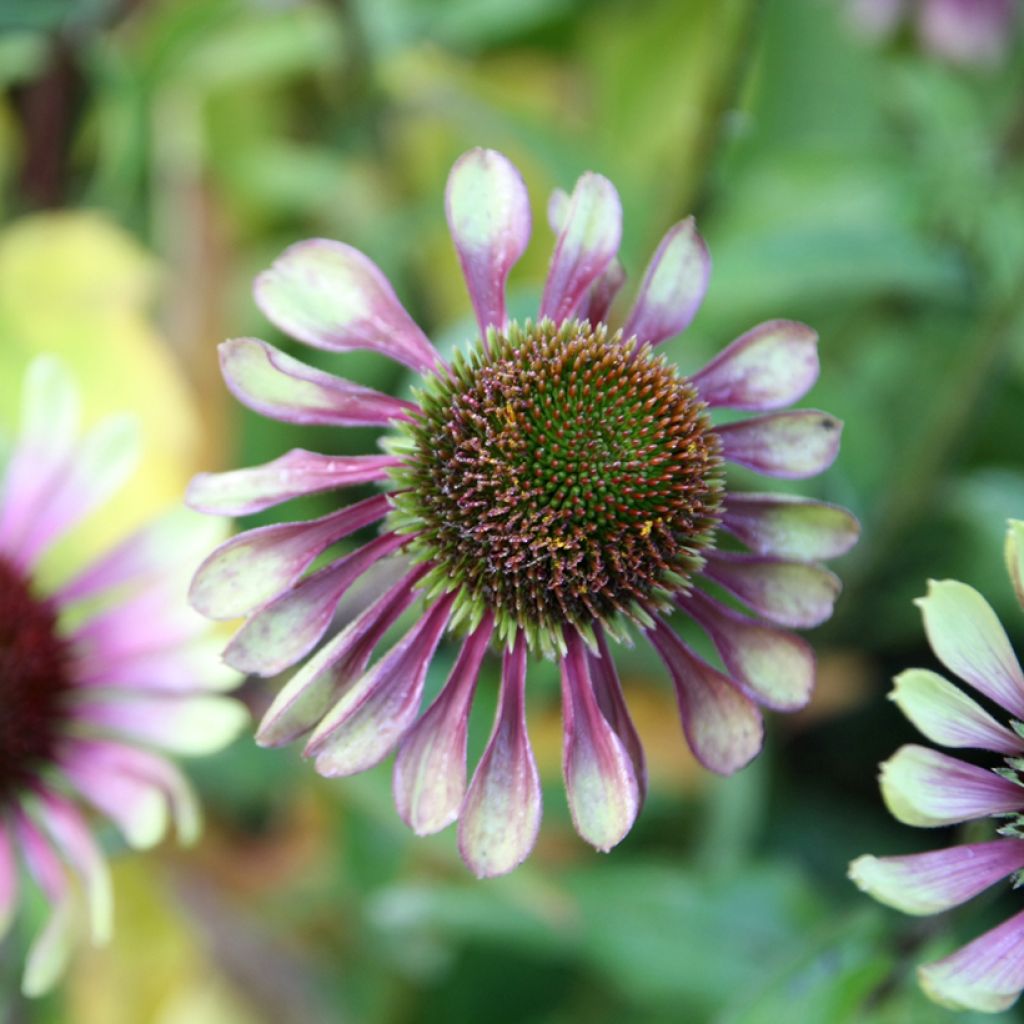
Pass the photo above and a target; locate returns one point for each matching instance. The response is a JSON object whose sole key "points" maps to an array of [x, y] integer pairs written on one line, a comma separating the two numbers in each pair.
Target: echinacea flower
{"points": [[927, 788], [97, 677], [548, 489]]}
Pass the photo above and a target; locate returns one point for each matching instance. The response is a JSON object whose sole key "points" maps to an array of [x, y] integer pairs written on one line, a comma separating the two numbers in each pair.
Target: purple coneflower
{"points": [[550, 489], [926, 788], [96, 676]]}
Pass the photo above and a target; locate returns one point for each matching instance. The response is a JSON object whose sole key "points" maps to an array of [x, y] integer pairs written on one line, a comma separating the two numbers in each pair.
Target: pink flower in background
{"points": [[929, 789], [555, 487], [98, 677]]}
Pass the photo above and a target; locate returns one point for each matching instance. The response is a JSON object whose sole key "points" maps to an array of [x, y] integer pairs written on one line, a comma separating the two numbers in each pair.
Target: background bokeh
{"points": [[156, 154]]}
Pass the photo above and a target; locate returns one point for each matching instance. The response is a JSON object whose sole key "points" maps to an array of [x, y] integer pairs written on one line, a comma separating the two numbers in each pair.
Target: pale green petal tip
{"points": [[945, 990], [1014, 552], [148, 824], [48, 956], [873, 876]]}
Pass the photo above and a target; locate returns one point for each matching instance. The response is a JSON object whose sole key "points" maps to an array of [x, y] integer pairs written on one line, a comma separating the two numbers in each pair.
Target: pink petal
{"points": [[500, 817], [488, 213], [241, 492], [255, 567], [772, 666], [290, 626], [771, 366], [986, 974], [925, 788], [331, 296], [785, 526], [967, 32], [191, 667], [929, 883], [377, 710], [608, 690], [272, 383], [429, 781], [722, 725], [792, 445], [586, 246], [673, 286], [795, 594], [600, 783], [311, 691]]}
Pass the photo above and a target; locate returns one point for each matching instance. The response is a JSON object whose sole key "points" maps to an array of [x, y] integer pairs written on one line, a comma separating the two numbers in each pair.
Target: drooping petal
{"points": [[771, 366], [929, 883], [241, 492], [255, 567], [193, 666], [673, 286], [586, 245], [799, 595], [500, 816], [946, 715], [608, 690], [272, 383], [488, 212], [986, 974], [8, 879], [315, 687], [723, 726], [772, 666], [378, 709], [429, 780], [790, 445], [967, 638], [290, 626], [331, 296], [602, 789], [1014, 551], [926, 788], [785, 526]]}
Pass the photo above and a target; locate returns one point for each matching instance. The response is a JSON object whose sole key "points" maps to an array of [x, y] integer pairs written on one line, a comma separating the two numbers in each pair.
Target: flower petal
{"points": [[786, 526], [986, 974], [929, 883], [586, 245], [288, 628], [488, 212], [772, 666], [723, 726], [429, 781], [255, 567], [795, 594], [602, 789], [946, 715], [331, 296], [272, 383], [378, 709], [8, 879], [926, 788], [608, 690], [500, 816], [771, 366], [967, 638], [791, 445], [673, 286], [311, 691], [1014, 552], [241, 492]]}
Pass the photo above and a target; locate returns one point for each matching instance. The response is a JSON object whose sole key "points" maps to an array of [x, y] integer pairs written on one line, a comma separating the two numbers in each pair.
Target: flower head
{"points": [[552, 488], [96, 677], [926, 788]]}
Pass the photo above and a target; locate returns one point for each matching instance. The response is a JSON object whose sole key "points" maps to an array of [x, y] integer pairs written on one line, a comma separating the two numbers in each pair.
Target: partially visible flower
{"points": [[552, 488], [967, 32], [926, 788], [97, 676]]}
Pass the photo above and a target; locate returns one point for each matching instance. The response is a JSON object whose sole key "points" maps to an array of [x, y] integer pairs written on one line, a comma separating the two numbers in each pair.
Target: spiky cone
{"points": [[554, 487]]}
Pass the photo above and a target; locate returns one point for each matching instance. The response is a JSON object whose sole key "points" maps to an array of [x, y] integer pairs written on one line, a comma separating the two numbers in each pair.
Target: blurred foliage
{"points": [[870, 191]]}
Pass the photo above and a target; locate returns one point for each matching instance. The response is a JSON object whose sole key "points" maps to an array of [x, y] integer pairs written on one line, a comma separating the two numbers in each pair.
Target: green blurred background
{"points": [[156, 154]]}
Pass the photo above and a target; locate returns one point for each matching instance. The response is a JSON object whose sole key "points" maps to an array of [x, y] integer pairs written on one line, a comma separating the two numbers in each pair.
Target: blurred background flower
{"points": [[874, 192]]}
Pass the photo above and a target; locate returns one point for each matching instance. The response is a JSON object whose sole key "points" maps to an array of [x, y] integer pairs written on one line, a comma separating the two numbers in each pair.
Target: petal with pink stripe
{"points": [[771, 366], [500, 817], [785, 526], [790, 445], [429, 780], [331, 296]]}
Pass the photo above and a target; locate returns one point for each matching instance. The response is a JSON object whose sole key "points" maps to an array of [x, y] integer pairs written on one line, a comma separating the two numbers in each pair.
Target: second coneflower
{"points": [[550, 489]]}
